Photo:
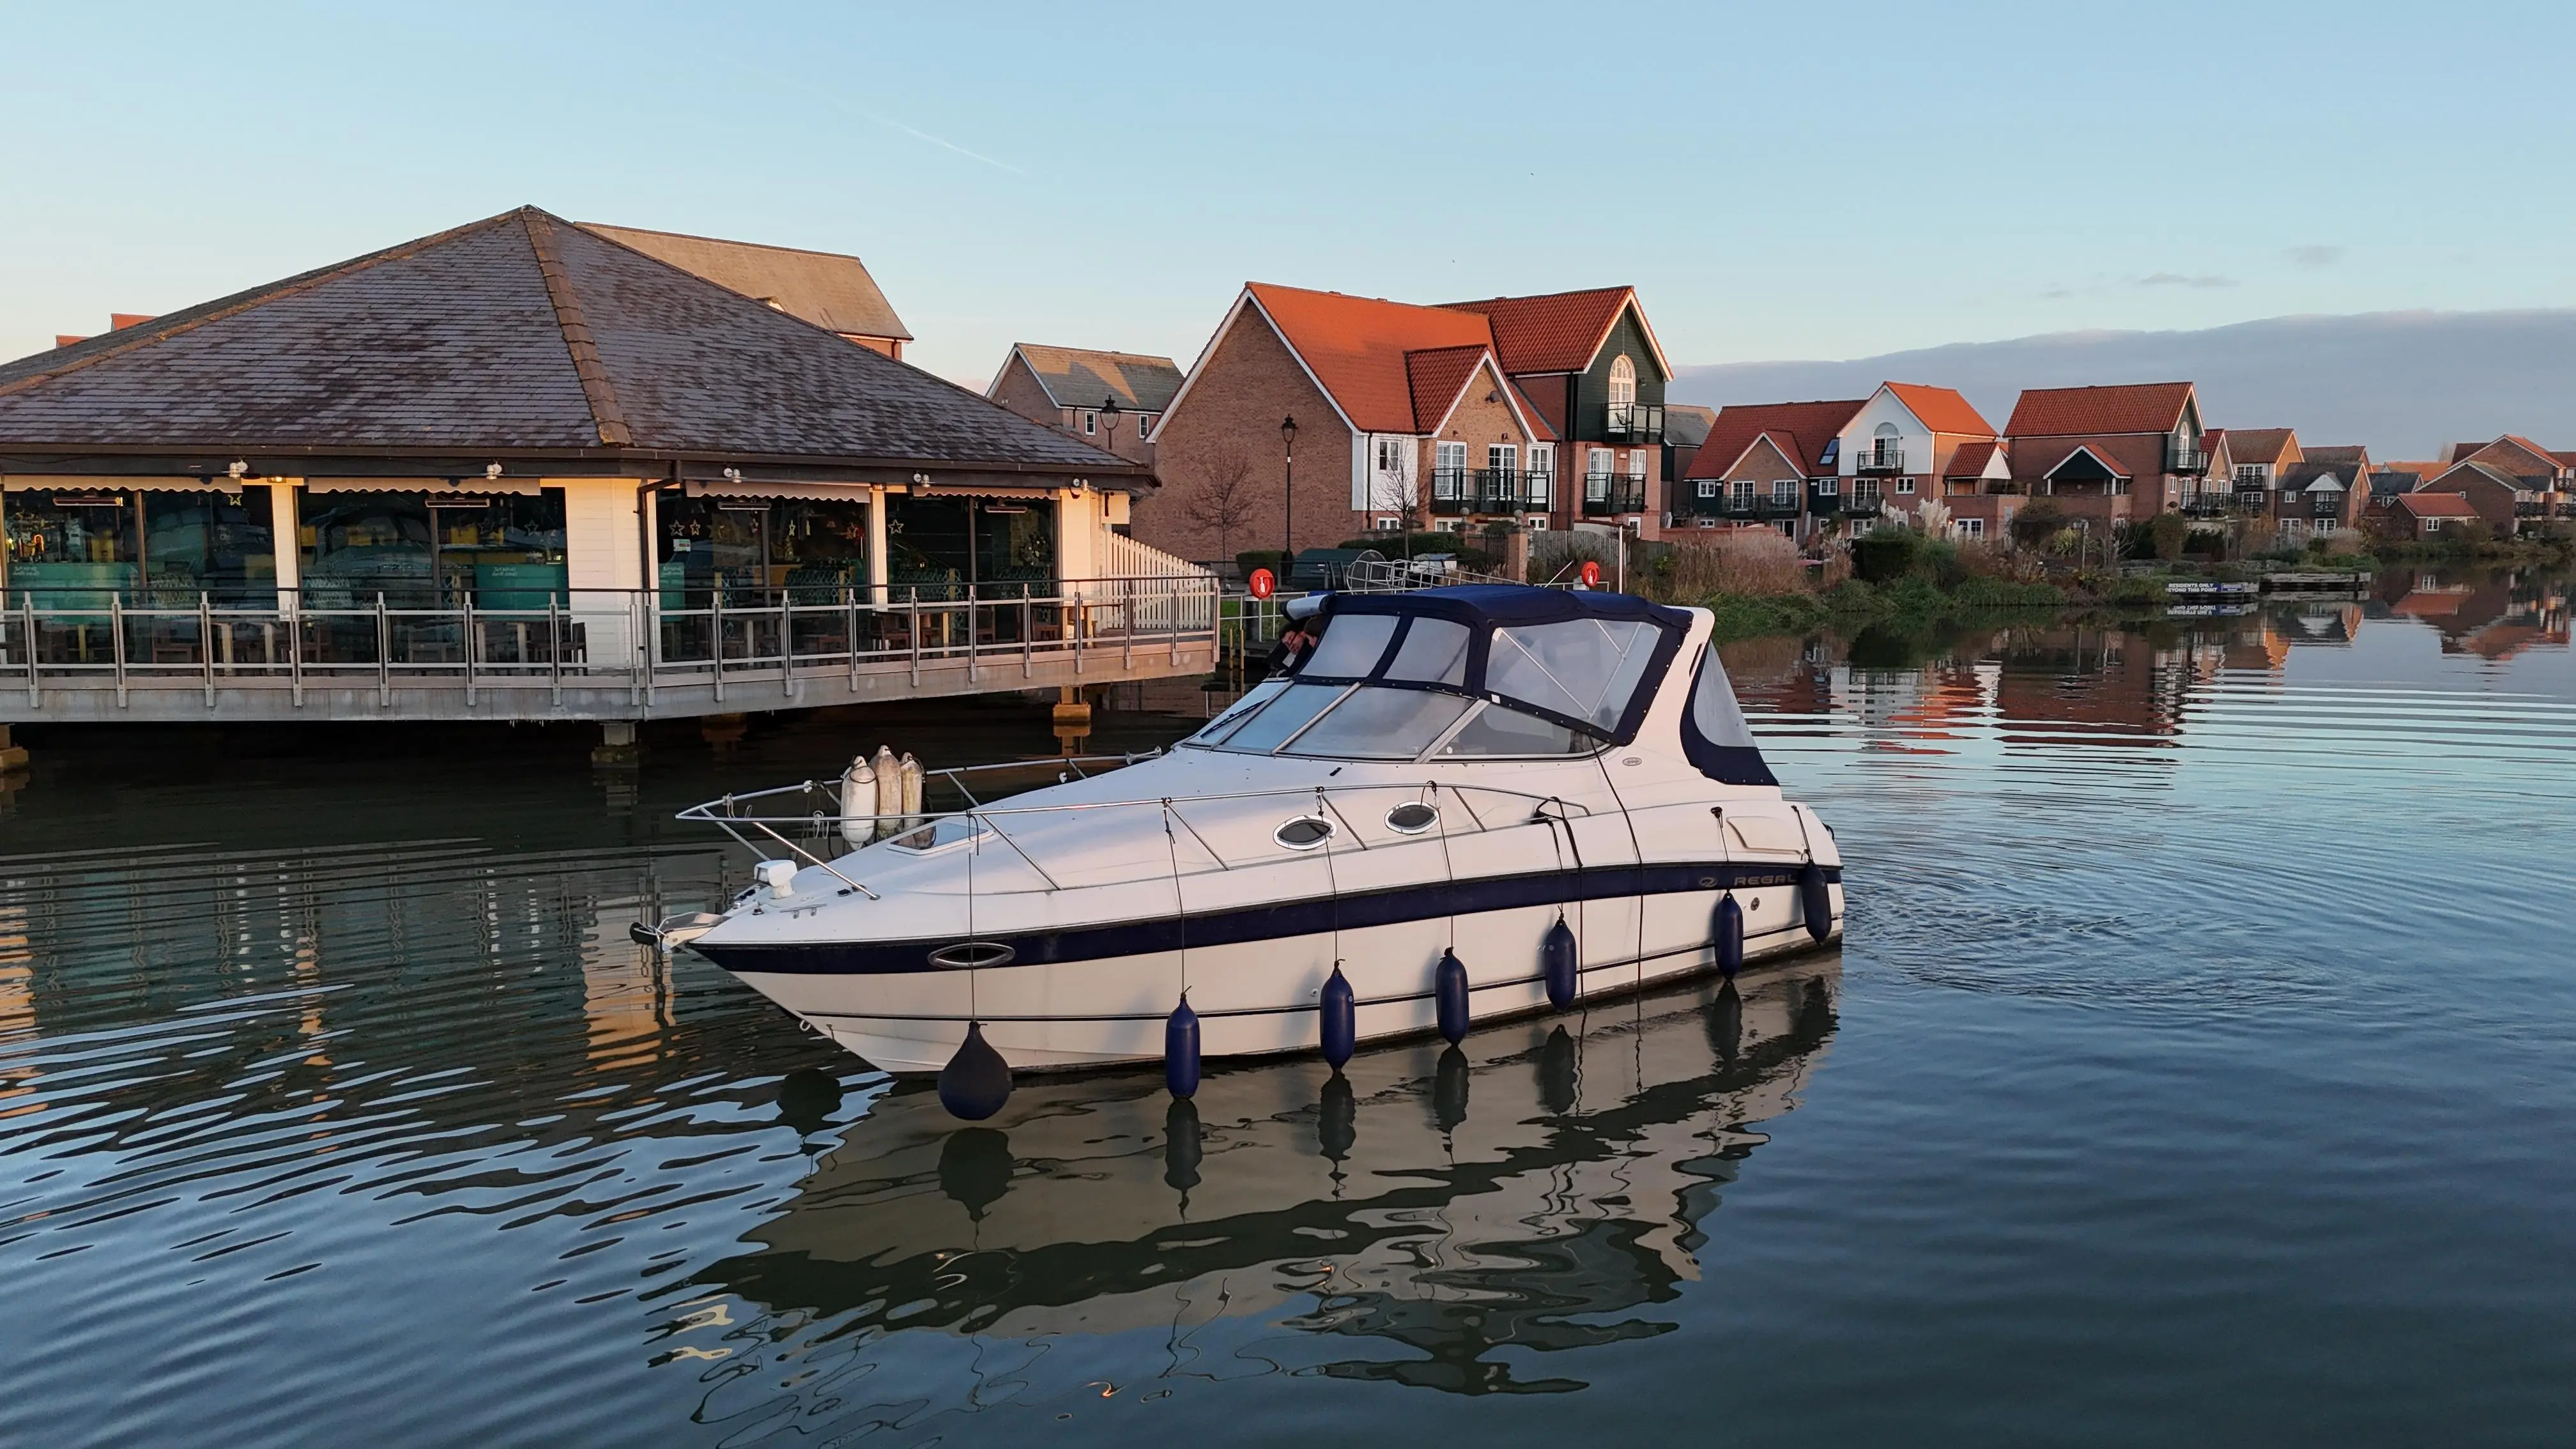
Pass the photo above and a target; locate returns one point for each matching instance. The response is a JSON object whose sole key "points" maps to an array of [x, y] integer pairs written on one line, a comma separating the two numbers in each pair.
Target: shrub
{"points": [[2039, 524], [1745, 561], [1886, 554], [2167, 534]]}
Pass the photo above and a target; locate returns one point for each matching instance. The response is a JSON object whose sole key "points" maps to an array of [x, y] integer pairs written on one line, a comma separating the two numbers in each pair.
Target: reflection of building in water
{"points": [[1434, 1205], [2092, 685], [2493, 615], [17, 1007]]}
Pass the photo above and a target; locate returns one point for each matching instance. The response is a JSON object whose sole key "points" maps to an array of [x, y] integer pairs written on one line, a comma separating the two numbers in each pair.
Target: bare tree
{"points": [[1222, 504]]}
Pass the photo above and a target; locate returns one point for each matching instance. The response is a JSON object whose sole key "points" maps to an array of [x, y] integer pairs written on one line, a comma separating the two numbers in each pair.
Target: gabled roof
{"points": [[1436, 376], [1561, 331], [2457, 475], [2145, 407], [1076, 377], [521, 333], [2436, 505], [2260, 445], [2081, 450], [828, 289], [1806, 426], [1687, 425], [1355, 347], [1541, 430], [2353, 456], [2565, 460], [1971, 459], [2515, 455], [2315, 476], [1941, 409]]}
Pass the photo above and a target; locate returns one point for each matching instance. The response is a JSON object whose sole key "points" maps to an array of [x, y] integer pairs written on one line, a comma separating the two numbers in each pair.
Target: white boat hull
{"points": [[1259, 998]]}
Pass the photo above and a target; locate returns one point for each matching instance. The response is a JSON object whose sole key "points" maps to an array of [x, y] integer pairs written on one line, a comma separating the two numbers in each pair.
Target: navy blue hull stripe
{"points": [[1305, 916], [1590, 992]]}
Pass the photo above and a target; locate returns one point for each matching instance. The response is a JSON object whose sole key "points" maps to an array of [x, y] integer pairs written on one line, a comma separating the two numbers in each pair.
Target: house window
{"points": [[1742, 491], [2249, 475], [1144, 425], [1971, 527], [1708, 488], [1623, 382], [1861, 526], [1390, 456], [1904, 485], [1828, 487], [1090, 422], [1535, 523], [1503, 457], [1784, 490]]}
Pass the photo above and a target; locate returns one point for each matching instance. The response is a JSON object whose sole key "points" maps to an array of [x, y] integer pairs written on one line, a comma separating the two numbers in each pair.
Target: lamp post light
{"points": [[1109, 423], [1288, 507]]}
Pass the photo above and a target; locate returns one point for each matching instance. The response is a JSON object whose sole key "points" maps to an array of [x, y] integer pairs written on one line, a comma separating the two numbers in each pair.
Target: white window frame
{"points": [[1829, 487], [1970, 528], [1623, 382], [1904, 485], [1090, 423], [1535, 523], [1784, 490], [1708, 488]]}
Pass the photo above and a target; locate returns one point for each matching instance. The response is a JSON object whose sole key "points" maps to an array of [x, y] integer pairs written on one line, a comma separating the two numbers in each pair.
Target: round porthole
{"points": [[1412, 818], [1303, 833]]}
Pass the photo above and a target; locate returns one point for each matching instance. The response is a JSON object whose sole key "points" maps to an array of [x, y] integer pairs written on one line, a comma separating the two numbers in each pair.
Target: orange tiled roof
{"points": [[1540, 429], [1437, 375], [2436, 505], [1971, 459], [2144, 407], [2257, 445], [1356, 347], [1805, 424], [1941, 409], [1554, 333]]}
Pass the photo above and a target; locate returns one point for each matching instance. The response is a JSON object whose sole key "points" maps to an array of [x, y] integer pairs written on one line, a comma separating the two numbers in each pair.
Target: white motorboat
{"points": [[1467, 804]]}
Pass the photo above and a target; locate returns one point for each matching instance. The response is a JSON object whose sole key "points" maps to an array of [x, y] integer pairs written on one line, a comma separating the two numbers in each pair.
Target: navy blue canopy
{"points": [[1508, 604]]}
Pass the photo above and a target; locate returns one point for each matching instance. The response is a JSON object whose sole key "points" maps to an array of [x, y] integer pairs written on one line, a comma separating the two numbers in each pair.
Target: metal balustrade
{"points": [[586, 652]]}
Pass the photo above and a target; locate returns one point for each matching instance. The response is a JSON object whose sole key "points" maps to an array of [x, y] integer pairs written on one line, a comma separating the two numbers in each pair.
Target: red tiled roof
{"points": [[1971, 459], [2257, 445], [1941, 409], [1436, 375], [2436, 505], [2501, 453], [1806, 426], [1555, 333], [1357, 346], [1541, 430], [2565, 460], [2145, 407]]}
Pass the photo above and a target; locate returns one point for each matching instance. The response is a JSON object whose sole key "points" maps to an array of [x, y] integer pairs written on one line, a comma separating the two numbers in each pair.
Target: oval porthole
{"points": [[1303, 833], [968, 955], [1412, 818]]}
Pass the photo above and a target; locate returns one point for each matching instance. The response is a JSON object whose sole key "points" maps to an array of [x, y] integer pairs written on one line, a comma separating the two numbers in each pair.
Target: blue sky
{"points": [[1780, 181]]}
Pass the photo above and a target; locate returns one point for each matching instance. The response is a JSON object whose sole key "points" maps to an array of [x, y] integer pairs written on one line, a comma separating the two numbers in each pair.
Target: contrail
{"points": [[951, 145]]}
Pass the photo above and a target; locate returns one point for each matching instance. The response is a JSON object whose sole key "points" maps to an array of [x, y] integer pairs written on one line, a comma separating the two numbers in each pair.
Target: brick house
{"points": [[1590, 365], [828, 289], [2319, 496], [2108, 453], [2427, 514], [1763, 463], [1402, 413], [1902, 447], [1108, 399], [2512, 482]]}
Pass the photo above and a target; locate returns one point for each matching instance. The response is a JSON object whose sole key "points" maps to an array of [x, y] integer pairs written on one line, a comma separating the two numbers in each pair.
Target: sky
{"points": [[1806, 181]]}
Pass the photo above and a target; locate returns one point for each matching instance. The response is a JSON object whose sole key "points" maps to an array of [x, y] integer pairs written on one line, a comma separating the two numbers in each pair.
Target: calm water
{"points": [[2201, 1068]]}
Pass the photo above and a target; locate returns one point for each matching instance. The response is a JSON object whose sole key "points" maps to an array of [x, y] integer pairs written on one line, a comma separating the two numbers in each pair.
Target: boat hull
{"points": [[1259, 998]]}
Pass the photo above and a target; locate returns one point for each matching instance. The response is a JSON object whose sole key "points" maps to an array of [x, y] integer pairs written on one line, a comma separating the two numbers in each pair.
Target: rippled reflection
{"points": [[336, 1107]]}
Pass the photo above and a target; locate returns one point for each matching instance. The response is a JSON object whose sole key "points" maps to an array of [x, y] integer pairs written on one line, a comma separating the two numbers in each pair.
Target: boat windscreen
{"points": [[1500, 731], [1293, 709], [1584, 669], [1376, 723], [1215, 730]]}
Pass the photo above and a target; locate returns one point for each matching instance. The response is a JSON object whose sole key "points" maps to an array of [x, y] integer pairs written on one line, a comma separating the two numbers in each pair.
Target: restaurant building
{"points": [[523, 448]]}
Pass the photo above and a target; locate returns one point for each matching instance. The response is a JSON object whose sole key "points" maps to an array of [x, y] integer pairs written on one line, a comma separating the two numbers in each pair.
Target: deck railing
{"points": [[635, 642]]}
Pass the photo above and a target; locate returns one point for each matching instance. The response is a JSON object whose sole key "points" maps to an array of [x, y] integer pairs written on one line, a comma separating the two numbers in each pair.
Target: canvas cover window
{"points": [[1382, 724], [1584, 669], [1351, 646], [1434, 652]]}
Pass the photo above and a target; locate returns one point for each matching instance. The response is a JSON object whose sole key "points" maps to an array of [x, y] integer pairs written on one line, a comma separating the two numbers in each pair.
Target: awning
{"points": [[750, 488], [110, 483], [475, 487]]}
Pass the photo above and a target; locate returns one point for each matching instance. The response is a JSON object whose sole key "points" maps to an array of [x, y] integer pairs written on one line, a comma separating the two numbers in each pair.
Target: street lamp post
{"points": [[1109, 423], [1288, 505]]}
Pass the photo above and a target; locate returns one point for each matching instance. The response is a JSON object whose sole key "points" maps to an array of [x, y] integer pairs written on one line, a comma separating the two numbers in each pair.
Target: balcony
{"points": [[1632, 422], [1538, 489], [1880, 458], [2191, 462], [1453, 491], [1498, 490], [1863, 504], [2530, 508], [1608, 494]]}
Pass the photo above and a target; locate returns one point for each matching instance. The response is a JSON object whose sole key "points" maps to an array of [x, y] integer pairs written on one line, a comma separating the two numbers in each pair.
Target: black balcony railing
{"points": [[1498, 490], [1863, 503], [2179, 459], [1538, 489], [1880, 458], [1633, 422], [1452, 490], [1613, 493]]}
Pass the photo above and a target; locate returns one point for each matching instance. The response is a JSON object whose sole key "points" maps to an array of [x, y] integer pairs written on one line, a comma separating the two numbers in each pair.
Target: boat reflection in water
{"points": [[1445, 1202]]}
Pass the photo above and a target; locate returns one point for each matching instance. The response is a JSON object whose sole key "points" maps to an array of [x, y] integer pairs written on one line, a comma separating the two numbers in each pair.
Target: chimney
{"points": [[119, 321], [66, 339]]}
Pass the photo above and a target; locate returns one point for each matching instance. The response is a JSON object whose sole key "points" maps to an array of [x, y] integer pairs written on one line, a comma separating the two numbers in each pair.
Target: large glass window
{"points": [[1585, 669], [939, 546], [74, 548], [1376, 723], [502, 550], [812, 548], [222, 545]]}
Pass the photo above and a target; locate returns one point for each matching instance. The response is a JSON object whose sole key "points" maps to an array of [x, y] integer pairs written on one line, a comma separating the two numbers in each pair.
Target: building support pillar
{"points": [[877, 562], [13, 756], [618, 747]]}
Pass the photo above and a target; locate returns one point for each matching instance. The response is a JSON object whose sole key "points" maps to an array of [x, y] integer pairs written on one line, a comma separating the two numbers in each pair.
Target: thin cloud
{"points": [[921, 135], [2314, 256], [2177, 279]]}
